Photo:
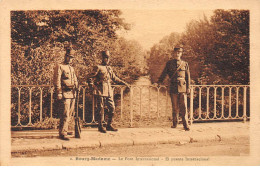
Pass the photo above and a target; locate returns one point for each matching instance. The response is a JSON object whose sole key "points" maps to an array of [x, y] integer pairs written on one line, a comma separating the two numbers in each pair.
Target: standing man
{"points": [[101, 79], [66, 85], [179, 74]]}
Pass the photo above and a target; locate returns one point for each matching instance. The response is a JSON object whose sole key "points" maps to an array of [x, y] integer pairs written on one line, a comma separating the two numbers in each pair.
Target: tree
{"points": [[198, 41], [217, 49], [231, 54], [128, 59], [38, 39], [160, 54]]}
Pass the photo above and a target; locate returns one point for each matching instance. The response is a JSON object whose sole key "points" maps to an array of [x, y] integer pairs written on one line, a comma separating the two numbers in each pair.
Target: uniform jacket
{"points": [[180, 80], [65, 80], [103, 76]]}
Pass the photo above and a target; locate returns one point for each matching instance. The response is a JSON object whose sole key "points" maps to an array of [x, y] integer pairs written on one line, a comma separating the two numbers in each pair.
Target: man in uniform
{"points": [[101, 79], [66, 85], [179, 74]]}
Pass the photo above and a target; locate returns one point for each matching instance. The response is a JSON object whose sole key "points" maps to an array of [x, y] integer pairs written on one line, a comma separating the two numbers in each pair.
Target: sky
{"points": [[150, 26]]}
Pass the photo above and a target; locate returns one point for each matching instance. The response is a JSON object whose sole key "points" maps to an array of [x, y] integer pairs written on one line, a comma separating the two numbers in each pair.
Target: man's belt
{"points": [[177, 79], [68, 88]]}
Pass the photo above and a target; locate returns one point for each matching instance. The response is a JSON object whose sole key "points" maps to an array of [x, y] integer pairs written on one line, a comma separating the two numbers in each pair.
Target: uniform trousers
{"points": [[105, 103], [67, 107], [179, 107]]}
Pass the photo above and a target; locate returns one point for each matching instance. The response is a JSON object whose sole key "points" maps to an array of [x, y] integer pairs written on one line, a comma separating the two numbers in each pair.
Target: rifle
{"points": [[77, 119]]}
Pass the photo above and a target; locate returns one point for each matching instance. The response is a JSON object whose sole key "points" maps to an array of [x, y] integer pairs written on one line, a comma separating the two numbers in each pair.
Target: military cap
{"points": [[67, 45], [70, 53], [178, 47], [105, 53]]}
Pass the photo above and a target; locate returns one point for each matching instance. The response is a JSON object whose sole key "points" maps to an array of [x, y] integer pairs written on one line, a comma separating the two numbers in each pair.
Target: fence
{"points": [[34, 103]]}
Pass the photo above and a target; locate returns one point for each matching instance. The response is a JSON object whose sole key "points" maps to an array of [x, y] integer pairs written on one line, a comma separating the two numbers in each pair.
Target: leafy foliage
{"points": [[217, 49], [128, 59], [39, 39], [160, 53]]}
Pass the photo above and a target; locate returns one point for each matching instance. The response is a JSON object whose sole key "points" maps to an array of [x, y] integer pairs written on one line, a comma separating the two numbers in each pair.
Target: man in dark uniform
{"points": [[179, 74], [66, 84], [101, 79]]}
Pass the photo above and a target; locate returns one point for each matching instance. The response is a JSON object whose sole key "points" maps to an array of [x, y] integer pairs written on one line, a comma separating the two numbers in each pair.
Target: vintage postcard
{"points": [[129, 83]]}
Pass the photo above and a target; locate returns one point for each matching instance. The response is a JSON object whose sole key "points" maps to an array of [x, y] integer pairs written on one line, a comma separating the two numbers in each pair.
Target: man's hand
{"points": [[90, 85], [59, 97]]}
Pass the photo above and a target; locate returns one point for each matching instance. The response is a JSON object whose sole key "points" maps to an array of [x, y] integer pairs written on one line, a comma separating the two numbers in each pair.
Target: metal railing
{"points": [[34, 103], [227, 102]]}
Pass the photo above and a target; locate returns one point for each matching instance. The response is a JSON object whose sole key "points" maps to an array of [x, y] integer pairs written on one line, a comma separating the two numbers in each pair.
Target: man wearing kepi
{"points": [[100, 79], [179, 74], [66, 85]]}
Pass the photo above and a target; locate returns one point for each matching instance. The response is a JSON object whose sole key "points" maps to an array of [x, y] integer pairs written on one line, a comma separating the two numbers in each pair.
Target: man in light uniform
{"points": [[66, 85]]}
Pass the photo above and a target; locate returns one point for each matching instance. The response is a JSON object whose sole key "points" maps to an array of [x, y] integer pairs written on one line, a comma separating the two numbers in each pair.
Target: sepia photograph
{"points": [[125, 86]]}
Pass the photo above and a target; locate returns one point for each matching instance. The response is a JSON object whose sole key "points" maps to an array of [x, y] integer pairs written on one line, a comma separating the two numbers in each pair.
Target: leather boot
{"points": [[173, 126], [174, 120], [101, 128], [186, 126], [62, 137], [110, 127], [100, 124]]}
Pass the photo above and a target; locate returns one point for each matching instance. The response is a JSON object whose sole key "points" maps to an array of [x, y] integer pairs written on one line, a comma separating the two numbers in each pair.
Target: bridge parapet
{"points": [[32, 104]]}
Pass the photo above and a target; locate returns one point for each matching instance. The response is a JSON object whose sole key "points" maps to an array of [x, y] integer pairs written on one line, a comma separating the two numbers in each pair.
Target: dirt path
{"points": [[143, 80]]}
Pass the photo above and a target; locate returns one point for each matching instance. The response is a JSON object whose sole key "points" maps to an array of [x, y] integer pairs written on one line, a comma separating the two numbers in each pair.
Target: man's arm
{"points": [[115, 78], [57, 81], [75, 80], [92, 75], [163, 75], [187, 78]]}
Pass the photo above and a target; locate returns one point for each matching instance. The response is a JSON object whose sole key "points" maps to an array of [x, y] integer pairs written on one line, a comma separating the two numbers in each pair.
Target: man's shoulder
{"points": [[59, 65], [184, 62], [109, 67], [103, 67], [98, 67], [64, 66], [170, 61]]}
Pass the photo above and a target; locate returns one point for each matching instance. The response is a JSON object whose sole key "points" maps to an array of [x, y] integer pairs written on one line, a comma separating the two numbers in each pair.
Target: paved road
{"points": [[213, 148]]}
